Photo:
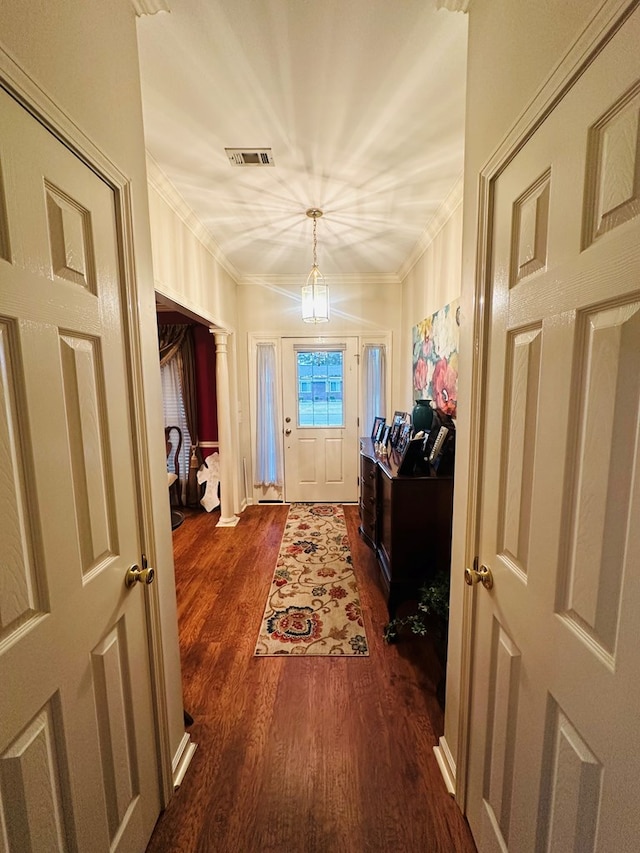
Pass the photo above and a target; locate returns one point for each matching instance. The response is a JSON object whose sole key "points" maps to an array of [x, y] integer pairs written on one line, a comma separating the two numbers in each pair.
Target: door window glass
{"points": [[320, 384]]}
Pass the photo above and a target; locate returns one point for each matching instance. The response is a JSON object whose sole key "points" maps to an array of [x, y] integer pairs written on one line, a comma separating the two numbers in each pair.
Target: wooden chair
{"points": [[174, 446]]}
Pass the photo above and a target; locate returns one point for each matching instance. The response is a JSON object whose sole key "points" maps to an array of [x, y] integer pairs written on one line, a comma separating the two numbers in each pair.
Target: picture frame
{"points": [[398, 419], [378, 425], [384, 440], [413, 462], [404, 438]]}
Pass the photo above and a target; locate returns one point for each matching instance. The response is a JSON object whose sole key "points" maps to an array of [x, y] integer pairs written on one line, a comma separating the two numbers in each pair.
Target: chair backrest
{"points": [[174, 446]]}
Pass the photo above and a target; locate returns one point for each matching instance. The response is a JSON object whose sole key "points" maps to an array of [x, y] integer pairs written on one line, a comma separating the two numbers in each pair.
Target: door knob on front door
{"points": [[481, 575], [287, 432]]}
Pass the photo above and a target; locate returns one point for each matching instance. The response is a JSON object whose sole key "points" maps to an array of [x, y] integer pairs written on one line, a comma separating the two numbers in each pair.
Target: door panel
{"points": [[321, 449], [555, 695], [93, 486], [334, 457], [504, 678], [77, 767], [24, 593], [29, 770]]}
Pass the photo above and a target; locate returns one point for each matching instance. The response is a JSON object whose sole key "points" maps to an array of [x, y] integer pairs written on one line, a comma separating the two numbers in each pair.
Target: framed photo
{"points": [[398, 420], [385, 434], [378, 426], [404, 438], [413, 462]]}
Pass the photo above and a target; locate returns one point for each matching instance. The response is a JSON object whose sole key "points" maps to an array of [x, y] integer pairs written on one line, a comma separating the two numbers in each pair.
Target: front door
{"points": [[320, 401], [78, 766], [554, 758]]}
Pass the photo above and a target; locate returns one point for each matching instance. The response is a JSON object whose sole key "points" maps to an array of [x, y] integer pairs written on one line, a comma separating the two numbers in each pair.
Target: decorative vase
{"points": [[422, 416]]}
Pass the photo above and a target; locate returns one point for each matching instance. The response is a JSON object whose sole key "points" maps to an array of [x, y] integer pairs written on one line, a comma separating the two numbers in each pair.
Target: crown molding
{"points": [[170, 195], [454, 5], [149, 7], [434, 226], [349, 279]]}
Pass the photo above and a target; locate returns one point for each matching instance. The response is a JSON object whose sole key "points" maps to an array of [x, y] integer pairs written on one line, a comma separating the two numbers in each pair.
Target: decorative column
{"points": [[225, 440]]}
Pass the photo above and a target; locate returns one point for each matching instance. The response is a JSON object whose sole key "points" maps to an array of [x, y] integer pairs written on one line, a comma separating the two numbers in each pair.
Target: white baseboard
{"points": [[182, 759], [447, 765]]}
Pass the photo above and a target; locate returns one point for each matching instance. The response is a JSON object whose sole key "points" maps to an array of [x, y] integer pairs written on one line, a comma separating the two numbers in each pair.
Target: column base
{"points": [[228, 522]]}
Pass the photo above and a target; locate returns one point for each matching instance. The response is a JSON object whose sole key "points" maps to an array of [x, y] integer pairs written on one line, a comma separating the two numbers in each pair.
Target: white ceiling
{"points": [[361, 102]]}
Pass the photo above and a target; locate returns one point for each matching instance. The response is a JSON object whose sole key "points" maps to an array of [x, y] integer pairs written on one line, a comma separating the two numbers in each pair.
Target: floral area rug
{"points": [[313, 606]]}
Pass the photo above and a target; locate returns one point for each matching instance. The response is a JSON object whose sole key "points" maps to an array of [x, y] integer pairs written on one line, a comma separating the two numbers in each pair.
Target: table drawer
{"points": [[368, 475], [368, 524], [369, 499]]}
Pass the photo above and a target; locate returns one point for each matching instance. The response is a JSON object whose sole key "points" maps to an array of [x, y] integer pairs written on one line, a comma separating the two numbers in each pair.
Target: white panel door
{"points": [[554, 757], [320, 404], [78, 768]]}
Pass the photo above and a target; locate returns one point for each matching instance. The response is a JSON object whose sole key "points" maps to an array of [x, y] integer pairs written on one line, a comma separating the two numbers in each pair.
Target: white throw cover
{"points": [[209, 473]]}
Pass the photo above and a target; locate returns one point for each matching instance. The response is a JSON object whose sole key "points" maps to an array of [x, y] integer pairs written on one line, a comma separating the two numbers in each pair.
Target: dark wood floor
{"points": [[318, 755]]}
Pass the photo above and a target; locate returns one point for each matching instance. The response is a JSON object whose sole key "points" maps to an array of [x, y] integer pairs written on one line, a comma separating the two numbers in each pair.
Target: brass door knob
{"points": [[481, 575], [136, 575], [287, 432]]}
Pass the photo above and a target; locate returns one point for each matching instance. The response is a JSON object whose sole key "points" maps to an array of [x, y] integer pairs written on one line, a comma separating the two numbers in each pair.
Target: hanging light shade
{"points": [[315, 293]]}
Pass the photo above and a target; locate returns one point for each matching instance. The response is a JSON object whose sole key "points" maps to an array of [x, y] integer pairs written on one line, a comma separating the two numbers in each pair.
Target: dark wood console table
{"points": [[407, 522]]}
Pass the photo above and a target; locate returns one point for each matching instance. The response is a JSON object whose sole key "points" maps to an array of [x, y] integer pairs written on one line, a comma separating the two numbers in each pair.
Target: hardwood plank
{"points": [[299, 754]]}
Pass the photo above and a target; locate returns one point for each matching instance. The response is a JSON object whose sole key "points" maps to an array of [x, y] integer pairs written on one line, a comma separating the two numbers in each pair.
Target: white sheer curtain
{"points": [[268, 439], [174, 414], [374, 384]]}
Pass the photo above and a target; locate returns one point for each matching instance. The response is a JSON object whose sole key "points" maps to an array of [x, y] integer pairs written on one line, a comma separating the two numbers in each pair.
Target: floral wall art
{"points": [[435, 358]]}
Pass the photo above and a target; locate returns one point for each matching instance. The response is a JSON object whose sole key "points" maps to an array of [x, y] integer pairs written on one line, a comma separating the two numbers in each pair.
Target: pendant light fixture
{"points": [[315, 293]]}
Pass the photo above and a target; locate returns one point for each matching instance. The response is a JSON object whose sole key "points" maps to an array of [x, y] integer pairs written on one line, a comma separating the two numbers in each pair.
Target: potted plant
{"points": [[432, 612], [431, 618]]}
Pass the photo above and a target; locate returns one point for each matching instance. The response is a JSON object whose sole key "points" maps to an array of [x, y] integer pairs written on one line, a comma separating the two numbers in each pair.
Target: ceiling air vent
{"points": [[250, 156]]}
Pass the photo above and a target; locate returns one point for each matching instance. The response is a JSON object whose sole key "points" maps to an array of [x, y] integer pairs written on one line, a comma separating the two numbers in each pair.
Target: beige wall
{"points": [[84, 56], [513, 47], [190, 272], [185, 265], [431, 283], [356, 308]]}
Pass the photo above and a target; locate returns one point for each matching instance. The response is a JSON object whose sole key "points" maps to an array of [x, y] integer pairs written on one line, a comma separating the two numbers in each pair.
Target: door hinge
{"points": [[357, 422]]}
